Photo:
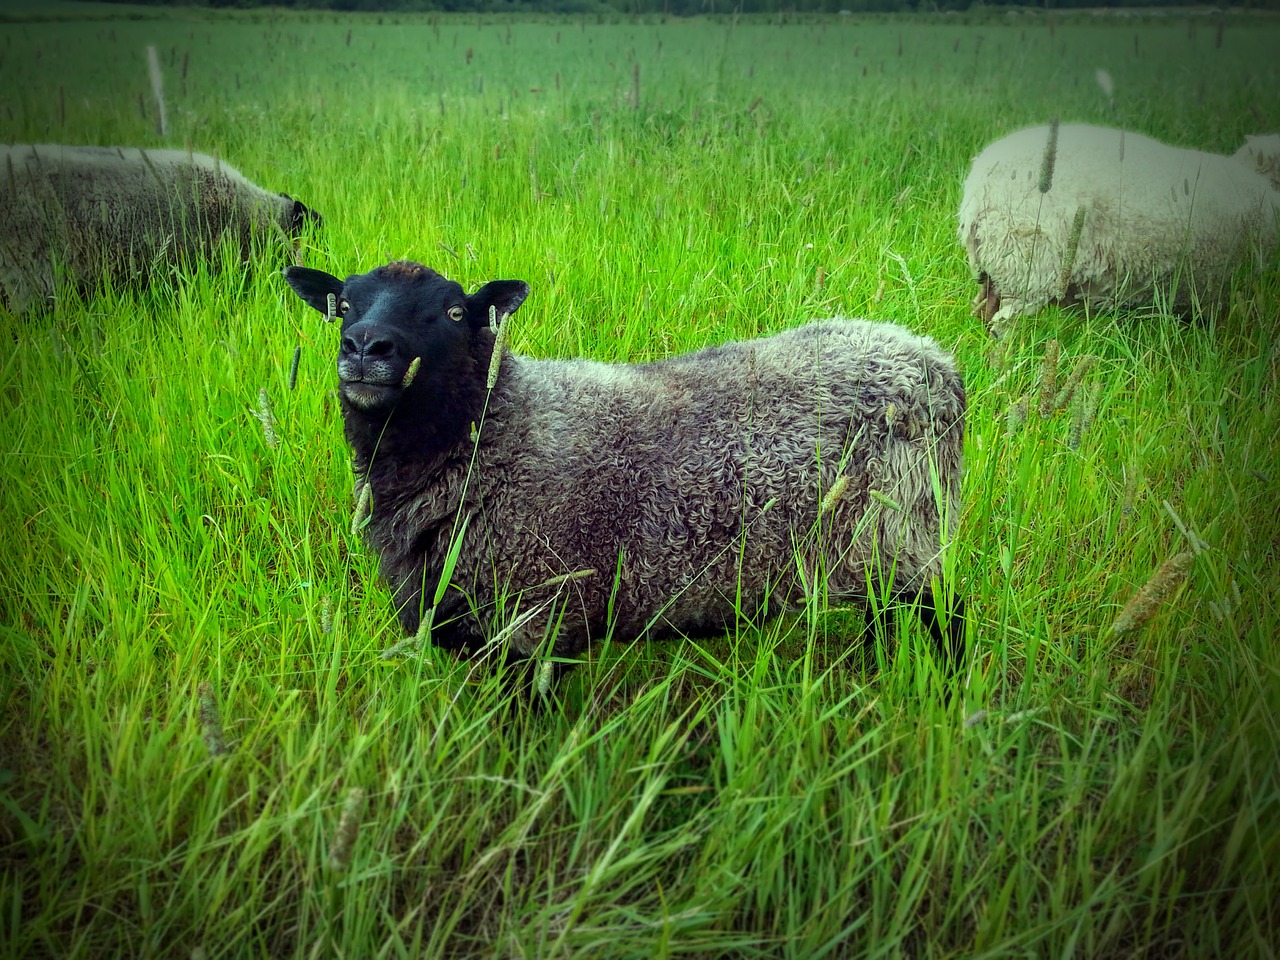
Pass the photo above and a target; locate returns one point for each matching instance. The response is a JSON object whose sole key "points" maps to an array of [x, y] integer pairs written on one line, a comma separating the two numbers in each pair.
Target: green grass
{"points": [[1073, 793]]}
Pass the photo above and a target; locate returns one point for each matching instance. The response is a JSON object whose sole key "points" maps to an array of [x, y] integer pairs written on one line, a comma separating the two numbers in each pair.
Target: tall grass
{"points": [[202, 751]]}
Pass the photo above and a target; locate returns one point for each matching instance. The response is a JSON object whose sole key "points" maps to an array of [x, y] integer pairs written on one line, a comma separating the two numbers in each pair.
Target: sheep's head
{"points": [[396, 314], [297, 215]]}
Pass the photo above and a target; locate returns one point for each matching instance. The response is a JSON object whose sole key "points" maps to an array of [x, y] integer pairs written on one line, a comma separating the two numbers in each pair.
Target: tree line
{"points": [[681, 8]]}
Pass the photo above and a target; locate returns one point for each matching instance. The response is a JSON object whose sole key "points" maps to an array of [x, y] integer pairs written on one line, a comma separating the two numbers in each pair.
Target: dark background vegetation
{"points": [[693, 7]]}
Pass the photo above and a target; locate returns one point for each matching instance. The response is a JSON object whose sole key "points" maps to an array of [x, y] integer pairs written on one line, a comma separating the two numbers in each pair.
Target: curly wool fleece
{"points": [[1111, 218], [116, 213], [666, 496]]}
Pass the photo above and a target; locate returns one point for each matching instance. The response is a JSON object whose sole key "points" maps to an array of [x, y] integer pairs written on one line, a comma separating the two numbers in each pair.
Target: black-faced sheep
{"points": [[1111, 219], [118, 213], [596, 499]]}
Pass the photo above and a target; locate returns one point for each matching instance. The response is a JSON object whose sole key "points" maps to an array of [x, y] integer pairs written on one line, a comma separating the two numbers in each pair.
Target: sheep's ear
{"points": [[300, 215], [505, 296], [314, 286]]}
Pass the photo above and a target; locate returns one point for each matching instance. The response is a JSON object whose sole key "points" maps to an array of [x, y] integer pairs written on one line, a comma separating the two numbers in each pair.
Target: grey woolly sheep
{"points": [[1112, 219], [596, 499], [118, 213]]}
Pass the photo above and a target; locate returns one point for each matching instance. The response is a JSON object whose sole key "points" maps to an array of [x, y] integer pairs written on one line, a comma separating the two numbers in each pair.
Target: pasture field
{"points": [[193, 689]]}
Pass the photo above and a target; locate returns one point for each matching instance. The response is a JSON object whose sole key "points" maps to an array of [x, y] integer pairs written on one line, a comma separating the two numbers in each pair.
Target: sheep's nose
{"points": [[378, 347], [362, 344]]}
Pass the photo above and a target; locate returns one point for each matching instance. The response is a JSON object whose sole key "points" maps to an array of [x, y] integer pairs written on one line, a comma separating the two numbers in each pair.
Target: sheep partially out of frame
{"points": [[1078, 214], [566, 500], [118, 213]]}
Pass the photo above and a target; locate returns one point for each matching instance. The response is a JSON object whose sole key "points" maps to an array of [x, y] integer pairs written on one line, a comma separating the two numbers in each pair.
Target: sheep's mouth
{"points": [[367, 395]]}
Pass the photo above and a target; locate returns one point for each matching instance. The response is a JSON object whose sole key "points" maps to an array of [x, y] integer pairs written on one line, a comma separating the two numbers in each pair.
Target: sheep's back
{"points": [[116, 211], [1150, 211], [710, 467]]}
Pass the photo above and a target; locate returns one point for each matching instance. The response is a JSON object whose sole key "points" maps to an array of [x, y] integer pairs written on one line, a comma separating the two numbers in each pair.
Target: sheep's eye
{"points": [[456, 314]]}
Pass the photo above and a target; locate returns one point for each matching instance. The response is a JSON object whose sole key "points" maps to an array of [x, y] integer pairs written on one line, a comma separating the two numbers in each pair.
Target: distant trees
{"points": [[682, 8]]}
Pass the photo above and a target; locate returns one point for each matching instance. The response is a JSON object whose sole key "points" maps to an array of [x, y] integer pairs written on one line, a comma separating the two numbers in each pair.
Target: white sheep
{"points": [[1111, 218], [118, 213]]}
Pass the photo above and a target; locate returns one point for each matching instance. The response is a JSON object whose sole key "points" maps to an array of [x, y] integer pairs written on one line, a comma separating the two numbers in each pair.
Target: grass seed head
{"points": [[1143, 605], [1050, 157], [879, 497], [1016, 416], [1078, 373], [1049, 379], [1069, 257], [569, 577], [545, 673], [499, 344], [293, 368], [424, 626], [411, 373], [408, 646], [344, 839], [1091, 401], [267, 419], [1077, 423], [211, 722], [1198, 545], [1130, 495], [1104, 84], [362, 511], [157, 89], [326, 614], [834, 493]]}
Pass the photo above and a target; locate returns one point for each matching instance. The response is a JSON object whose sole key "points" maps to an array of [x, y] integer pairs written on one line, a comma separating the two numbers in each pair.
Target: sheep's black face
{"points": [[389, 318], [299, 215], [405, 329]]}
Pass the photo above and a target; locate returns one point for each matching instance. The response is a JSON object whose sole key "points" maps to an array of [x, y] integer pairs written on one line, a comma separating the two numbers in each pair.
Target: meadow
{"points": [[203, 752]]}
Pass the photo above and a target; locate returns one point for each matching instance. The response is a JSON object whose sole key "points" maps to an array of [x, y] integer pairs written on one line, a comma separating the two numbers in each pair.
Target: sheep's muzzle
{"points": [[371, 366]]}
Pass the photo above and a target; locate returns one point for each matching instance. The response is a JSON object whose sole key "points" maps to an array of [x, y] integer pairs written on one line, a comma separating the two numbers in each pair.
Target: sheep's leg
{"points": [[408, 603], [987, 301], [946, 627]]}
